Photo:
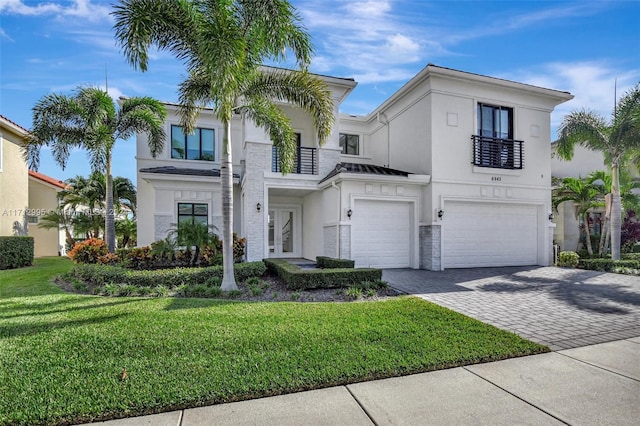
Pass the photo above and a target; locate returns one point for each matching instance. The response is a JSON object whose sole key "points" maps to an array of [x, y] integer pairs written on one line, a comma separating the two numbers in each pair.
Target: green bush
{"points": [[609, 265], [325, 262], [297, 278], [568, 259], [99, 275], [16, 252]]}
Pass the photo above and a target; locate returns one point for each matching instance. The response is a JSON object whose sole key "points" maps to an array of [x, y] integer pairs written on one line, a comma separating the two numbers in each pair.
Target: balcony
{"points": [[305, 163], [497, 153]]}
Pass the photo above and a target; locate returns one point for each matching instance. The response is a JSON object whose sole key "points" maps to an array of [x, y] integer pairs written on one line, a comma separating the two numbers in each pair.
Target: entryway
{"points": [[284, 232]]}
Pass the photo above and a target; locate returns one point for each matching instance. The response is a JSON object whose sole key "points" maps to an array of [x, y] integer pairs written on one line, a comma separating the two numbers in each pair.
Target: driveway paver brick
{"points": [[558, 307]]}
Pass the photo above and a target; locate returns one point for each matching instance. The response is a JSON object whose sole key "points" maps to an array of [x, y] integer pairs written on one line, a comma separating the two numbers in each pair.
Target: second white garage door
{"points": [[477, 235], [381, 234]]}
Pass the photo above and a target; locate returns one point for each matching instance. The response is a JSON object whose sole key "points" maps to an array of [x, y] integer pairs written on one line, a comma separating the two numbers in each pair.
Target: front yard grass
{"points": [[63, 356]]}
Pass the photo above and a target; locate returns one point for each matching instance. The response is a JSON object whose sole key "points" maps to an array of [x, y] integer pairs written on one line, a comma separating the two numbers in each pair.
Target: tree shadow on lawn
{"points": [[40, 309], [572, 288], [175, 303], [29, 329]]}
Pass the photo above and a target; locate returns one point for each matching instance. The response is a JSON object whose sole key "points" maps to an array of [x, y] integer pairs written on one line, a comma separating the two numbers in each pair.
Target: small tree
{"points": [[583, 195]]}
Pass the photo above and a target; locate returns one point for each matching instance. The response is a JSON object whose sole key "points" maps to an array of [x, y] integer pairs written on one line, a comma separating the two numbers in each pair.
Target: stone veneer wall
{"points": [[429, 244], [258, 161], [330, 248]]}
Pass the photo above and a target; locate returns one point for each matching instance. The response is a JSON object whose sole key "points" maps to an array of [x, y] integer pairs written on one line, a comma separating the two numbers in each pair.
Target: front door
{"points": [[283, 230]]}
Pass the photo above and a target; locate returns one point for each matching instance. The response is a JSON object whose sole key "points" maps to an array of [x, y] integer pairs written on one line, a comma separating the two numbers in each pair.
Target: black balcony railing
{"points": [[305, 163], [497, 153]]}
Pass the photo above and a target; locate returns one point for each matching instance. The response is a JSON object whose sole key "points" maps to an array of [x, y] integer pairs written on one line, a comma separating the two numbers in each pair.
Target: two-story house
{"points": [[26, 195], [451, 171]]}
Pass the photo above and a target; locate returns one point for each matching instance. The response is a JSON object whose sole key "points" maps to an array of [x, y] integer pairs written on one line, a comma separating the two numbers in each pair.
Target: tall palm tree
{"points": [[90, 120], [616, 139], [223, 44], [584, 196]]}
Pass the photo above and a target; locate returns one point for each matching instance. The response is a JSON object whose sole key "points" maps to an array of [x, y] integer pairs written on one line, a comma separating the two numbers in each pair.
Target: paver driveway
{"points": [[560, 308]]}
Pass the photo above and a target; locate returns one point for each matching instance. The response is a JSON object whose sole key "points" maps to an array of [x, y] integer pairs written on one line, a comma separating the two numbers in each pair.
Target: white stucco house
{"points": [[451, 171]]}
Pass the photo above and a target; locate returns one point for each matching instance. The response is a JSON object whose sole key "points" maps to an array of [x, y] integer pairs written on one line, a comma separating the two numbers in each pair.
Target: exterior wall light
{"points": [[550, 216], [258, 207], [349, 213], [440, 213]]}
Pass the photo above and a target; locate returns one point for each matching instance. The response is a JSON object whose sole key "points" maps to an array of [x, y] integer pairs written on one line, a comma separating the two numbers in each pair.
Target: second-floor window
{"points": [[493, 144], [197, 146], [350, 144]]}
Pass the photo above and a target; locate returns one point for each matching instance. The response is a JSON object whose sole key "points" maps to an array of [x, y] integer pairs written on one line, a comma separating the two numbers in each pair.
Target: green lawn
{"points": [[62, 355]]}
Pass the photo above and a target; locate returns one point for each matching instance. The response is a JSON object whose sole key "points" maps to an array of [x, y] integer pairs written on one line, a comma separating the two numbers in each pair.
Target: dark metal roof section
{"points": [[171, 170], [365, 169]]}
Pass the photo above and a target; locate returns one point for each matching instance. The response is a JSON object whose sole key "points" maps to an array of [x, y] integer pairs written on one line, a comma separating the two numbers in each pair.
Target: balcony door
{"points": [[284, 232]]}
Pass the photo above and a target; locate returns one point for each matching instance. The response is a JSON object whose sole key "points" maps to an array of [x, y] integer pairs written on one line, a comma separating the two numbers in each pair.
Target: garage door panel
{"points": [[477, 235], [381, 234]]}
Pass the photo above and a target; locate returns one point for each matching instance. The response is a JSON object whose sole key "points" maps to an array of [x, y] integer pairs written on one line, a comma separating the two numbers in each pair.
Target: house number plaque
{"points": [[496, 178]]}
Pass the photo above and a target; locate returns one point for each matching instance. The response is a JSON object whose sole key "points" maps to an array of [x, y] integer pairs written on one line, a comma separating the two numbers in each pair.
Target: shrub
{"points": [[333, 263], [16, 252], [353, 293], [88, 251], [109, 259], [609, 265], [297, 278], [98, 275], [568, 259]]}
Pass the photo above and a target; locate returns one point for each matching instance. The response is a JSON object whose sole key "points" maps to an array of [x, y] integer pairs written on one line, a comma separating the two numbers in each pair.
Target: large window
{"points": [[350, 144], [197, 146], [493, 145], [193, 212], [495, 121]]}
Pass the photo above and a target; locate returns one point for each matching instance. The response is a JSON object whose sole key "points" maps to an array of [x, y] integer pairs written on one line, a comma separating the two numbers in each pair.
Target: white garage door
{"points": [[381, 234], [476, 235]]}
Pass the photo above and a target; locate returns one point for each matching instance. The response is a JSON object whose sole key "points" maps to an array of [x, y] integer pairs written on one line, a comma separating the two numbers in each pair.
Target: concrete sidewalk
{"points": [[598, 384]]}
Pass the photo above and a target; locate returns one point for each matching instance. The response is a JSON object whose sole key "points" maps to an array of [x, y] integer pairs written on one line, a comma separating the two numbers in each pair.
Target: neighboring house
{"points": [[451, 171], [25, 195], [43, 198], [14, 179]]}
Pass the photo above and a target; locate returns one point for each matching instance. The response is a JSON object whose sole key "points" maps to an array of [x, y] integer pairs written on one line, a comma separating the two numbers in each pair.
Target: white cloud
{"points": [[591, 82], [5, 36], [77, 9]]}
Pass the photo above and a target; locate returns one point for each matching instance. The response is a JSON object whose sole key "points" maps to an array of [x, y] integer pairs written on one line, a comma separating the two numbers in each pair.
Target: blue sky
{"points": [[581, 47]]}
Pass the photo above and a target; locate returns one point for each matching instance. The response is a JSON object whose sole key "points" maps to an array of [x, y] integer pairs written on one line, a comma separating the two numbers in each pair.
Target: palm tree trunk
{"points": [[604, 235], [587, 234], [109, 225], [616, 211], [226, 177]]}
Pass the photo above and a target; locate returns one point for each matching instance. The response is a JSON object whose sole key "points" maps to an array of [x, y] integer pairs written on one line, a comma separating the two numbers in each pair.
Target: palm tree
{"points": [[90, 120], [224, 44], [584, 196], [192, 234], [630, 200], [127, 228], [616, 139]]}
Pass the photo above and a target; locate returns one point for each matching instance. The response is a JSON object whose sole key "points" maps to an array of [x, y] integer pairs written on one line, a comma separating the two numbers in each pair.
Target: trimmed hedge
{"points": [[608, 265], [96, 274], [16, 252], [333, 263], [297, 278]]}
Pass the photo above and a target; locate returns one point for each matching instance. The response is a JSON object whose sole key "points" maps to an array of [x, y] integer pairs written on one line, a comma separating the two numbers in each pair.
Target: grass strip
{"points": [[62, 356]]}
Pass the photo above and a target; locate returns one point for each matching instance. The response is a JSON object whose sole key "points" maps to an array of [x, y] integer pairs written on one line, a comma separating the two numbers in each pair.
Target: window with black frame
{"points": [[200, 145], [493, 144], [193, 212], [350, 144]]}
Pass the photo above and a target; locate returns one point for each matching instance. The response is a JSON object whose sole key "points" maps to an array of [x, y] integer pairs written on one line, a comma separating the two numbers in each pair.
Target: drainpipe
{"points": [[386, 123], [333, 184]]}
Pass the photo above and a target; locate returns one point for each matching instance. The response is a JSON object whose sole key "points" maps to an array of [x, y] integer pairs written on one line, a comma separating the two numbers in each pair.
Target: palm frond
{"points": [[300, 89], [584, 128], [167, 24]]}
